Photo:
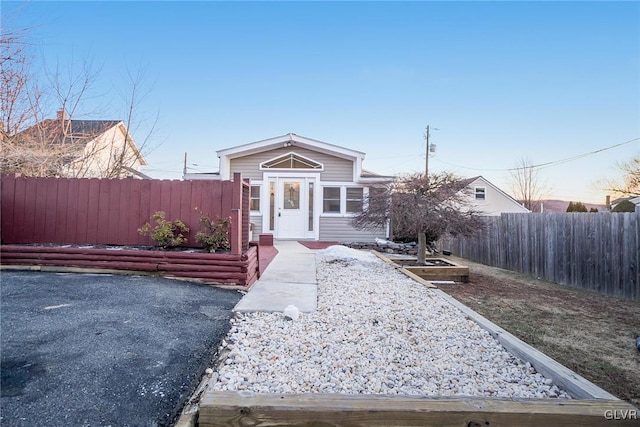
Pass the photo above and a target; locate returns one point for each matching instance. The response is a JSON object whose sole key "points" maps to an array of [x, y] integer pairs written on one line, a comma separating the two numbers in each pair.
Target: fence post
{"points": [[236, 215]]}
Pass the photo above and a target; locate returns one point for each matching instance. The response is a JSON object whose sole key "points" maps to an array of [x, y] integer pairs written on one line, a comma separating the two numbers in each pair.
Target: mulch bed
{"points": [[313, 244]]}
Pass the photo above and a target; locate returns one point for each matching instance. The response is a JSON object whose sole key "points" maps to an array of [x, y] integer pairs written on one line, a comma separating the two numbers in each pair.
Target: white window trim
{"points": [[343, 198], [475, 192], [333, 214], [256, 184], [346, 199]]}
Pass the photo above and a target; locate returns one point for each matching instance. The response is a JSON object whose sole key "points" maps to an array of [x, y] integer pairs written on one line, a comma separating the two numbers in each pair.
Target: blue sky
{"points": [[501, 81]]}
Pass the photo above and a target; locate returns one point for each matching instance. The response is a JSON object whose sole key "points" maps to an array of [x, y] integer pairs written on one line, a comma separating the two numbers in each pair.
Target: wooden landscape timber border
{"points": [[211, 268], [590, 406], [219, 409], [455, 272]]}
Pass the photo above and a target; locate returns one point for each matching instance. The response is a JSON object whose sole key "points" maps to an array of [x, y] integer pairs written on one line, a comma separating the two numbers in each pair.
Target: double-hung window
{"points": [[355, 199], [342, 200], [254, 200], [331, 200]]}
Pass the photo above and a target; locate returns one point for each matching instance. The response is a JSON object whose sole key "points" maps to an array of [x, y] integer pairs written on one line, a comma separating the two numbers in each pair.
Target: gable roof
{"points": [[74, 132], [470, 181], [70, 131], [290, 140]]}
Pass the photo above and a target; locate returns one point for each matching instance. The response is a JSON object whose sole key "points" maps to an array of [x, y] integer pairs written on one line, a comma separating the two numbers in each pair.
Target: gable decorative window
{"points": [[291, 161], [480, 193]]}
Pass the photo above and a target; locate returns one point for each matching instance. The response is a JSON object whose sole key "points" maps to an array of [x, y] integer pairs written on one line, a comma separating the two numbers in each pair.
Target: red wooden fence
{"points": [[110, 211]]}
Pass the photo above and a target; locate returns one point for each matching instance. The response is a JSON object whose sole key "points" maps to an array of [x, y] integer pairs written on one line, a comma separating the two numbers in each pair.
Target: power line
{"points": [[546, 164], [569, 159]]}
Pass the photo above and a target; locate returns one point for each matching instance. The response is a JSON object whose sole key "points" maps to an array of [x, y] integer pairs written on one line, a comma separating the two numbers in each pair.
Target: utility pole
{"points": [[184, 169], [431, 148], [426, 162]]}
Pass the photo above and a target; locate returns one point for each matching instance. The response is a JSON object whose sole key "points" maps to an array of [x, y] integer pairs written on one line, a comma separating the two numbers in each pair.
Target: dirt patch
{"points": [[591, 334]]}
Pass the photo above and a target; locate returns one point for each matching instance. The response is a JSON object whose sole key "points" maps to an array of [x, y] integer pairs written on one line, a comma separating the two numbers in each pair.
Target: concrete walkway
{"points": [[289, 279]]}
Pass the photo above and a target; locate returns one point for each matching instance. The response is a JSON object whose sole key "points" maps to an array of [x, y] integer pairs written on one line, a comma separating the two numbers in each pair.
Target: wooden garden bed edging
{"points": [[590, 406], [455, 272], [242, 270], [251, 409]]}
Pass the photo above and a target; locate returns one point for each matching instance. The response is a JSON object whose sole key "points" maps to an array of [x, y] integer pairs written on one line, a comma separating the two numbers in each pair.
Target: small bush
{"points": [[215, 235], [624, 206], [165, 233]]}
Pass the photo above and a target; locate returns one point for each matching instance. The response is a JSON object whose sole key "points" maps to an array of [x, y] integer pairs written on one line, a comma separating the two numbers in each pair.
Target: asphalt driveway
{"points": [[104, 350]]}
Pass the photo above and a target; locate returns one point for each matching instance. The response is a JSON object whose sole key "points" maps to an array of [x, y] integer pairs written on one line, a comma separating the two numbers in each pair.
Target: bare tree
{"points": [[15, 75], [526, 185], [424, 208], [35, 145], [629, 183]]}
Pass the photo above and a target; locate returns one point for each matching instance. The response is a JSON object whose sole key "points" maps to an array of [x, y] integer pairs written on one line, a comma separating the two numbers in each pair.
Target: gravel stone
{"points": [[375, 331]]}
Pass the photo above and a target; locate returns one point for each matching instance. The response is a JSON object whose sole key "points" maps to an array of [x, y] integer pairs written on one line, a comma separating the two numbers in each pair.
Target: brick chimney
{"points": [[60, 115], [608, 202]]}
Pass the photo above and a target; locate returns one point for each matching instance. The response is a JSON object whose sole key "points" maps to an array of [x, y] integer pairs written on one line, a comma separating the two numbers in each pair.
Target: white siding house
{"points": [[87, 148], [302, 188], [490, 200]]}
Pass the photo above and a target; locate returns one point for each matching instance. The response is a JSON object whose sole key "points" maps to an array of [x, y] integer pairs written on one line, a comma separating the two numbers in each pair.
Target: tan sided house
{"points": [[489, 200], [302, 188]]}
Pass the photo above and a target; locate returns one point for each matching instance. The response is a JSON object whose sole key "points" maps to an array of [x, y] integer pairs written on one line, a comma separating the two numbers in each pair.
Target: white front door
{"points": [[291, 210]]}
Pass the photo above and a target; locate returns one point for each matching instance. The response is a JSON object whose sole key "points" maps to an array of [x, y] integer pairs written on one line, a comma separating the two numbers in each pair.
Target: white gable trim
{"points": [[132, 143], [288, 140], [481, 181], [294, 155]]}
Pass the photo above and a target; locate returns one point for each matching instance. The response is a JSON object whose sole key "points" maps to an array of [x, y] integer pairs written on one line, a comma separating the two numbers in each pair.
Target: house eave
{"points": [[295, 141]]}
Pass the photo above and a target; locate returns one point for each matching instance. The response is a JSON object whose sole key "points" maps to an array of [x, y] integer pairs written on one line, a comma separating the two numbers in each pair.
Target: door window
{"points": [[291, 195]]}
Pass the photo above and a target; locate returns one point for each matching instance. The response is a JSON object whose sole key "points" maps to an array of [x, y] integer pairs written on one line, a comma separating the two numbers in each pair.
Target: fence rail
{"points": [[110, 211], [595, 251]]}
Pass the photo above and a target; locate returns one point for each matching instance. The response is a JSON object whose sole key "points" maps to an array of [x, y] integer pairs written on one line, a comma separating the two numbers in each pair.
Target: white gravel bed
{"points": [[375, 332]]}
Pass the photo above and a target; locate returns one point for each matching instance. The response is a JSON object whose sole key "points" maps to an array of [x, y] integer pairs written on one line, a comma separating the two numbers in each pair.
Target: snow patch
{"points": [[339, 252]]}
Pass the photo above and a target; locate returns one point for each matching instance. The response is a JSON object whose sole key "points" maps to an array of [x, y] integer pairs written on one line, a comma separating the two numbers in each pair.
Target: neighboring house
{"points": [[302, 188], [490, 200], [85, 148], [633, 199]]}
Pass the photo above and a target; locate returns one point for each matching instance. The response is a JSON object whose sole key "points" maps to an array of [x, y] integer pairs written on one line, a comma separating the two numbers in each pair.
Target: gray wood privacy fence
{"points": [[595, 251]]}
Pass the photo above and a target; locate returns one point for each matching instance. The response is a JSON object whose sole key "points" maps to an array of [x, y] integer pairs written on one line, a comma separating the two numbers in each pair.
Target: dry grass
{"points": [[591, 334]]}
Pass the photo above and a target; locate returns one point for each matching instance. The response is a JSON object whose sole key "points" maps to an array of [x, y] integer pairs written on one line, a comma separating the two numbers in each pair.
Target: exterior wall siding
{"points": [[335, 168], [97, 159], [340, 229], [495, 202], [256, 220]]}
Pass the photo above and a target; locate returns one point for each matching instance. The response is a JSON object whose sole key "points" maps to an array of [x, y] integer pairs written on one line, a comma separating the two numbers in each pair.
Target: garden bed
{"points": [[211, 268], [390, 352], [437, 269]]}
